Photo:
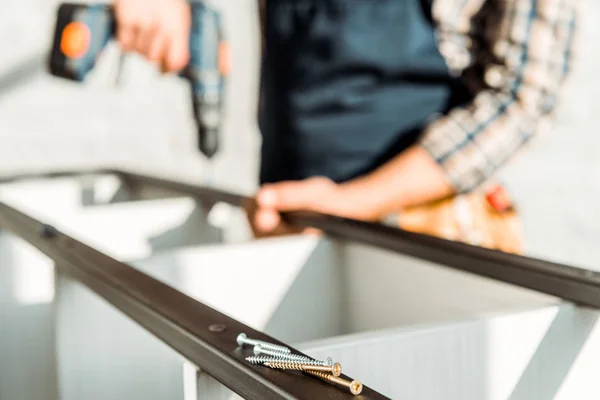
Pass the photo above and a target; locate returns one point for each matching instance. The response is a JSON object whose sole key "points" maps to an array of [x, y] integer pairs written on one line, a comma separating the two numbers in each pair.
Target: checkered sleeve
{"points": [[529, 56]]}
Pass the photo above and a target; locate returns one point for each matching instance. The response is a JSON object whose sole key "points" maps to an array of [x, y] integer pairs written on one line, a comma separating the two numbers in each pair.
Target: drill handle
{"points": [[82, 32]]}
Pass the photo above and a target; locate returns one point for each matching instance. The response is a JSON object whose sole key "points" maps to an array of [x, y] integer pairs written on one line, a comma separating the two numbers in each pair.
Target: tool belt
{"points": [[486, 218]]}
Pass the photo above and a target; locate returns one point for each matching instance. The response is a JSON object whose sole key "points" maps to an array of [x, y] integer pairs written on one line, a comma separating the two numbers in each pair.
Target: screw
{"points": [[242, 339], [354, 386], [258, 350], [335, 369], [263, 360]]}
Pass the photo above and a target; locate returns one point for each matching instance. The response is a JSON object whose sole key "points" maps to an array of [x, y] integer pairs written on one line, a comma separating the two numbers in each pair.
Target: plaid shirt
{"points": [[515, 56]]}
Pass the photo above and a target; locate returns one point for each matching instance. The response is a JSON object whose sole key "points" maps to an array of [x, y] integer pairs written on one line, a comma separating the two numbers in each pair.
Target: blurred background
{"points": [[145, 124]]}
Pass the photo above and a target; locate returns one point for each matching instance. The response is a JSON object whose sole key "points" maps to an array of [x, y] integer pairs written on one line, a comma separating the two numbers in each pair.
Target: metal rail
{"points": [[577, 285], [199, 333]]}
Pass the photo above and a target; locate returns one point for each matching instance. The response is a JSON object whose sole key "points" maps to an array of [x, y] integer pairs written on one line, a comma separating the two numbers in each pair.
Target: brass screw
{"points": [[354, 386], [335, 369]]}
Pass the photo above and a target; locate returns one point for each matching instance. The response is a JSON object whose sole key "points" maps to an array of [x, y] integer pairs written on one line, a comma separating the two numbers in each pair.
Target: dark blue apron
{"points": [[347, 85]]}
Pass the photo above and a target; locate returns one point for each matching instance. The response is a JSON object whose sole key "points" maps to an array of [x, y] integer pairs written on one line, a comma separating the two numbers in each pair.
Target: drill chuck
{"points": [[209, 141], [208, 122]]}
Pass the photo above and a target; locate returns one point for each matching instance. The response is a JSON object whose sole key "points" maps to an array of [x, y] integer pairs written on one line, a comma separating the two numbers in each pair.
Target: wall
{"points": [[557, 183], [145, 124]]}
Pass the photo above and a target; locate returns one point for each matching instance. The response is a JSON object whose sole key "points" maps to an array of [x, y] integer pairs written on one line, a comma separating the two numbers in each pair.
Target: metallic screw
{"points": [[335, 369], [258, 350], [242, 339], [354, 386], [263, 360]]}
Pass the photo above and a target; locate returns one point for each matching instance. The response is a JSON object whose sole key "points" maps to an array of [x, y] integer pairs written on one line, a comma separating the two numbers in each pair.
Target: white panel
{"points": [[581, 381], [210, 389], [313, 305], [27, 351], [535, 355], [386, 290], [246, 281], [124, 231], [104, 355]]}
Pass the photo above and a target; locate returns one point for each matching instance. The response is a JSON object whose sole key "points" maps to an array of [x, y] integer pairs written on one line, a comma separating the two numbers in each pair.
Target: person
{"points": [[370, 108]]}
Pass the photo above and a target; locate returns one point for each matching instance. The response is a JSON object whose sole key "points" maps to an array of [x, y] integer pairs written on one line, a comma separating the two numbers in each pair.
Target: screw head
{"points": [[336, 370], [218, 328], [356, 387], [329, 361], [257, 349], [240, 339], [48, 231]]}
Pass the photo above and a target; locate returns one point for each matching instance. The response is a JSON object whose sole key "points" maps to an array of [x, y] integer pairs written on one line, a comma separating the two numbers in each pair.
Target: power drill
{"points": [[82, 31]]}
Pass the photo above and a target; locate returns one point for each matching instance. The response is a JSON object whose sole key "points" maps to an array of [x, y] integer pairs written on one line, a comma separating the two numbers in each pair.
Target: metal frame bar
{"points": [[577, 285], [201, 334]]}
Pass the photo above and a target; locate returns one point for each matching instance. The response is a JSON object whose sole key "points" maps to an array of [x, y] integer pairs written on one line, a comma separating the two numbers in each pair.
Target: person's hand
{"points": [[317, 194], [157, 29]]}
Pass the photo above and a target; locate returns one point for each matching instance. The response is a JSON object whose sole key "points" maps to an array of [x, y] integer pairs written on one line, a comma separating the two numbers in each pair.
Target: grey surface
{"points": [[103, 354], [560, 347], [459, 362], [145, 125], [313, 306], [416, 363], [27, 329], [557, 182]]}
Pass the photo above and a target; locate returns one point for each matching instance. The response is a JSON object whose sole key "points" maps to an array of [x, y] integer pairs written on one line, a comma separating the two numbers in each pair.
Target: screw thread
{"points": [[285, 365], [255, 360], [322, 375], [335, 369], [278, 354], [288, 357], [259, 360], [354, 386]]}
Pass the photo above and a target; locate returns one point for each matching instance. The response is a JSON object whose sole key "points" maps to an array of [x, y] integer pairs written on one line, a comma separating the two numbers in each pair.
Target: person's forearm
{"points": [[410, 179]]}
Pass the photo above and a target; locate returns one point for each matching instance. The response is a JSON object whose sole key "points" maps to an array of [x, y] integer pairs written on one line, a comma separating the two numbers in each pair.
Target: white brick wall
{"points": [[46, 123]]}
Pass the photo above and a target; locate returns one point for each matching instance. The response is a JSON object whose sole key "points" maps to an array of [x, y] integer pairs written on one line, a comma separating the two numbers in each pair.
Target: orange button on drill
{"points": [[75, 40]]}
